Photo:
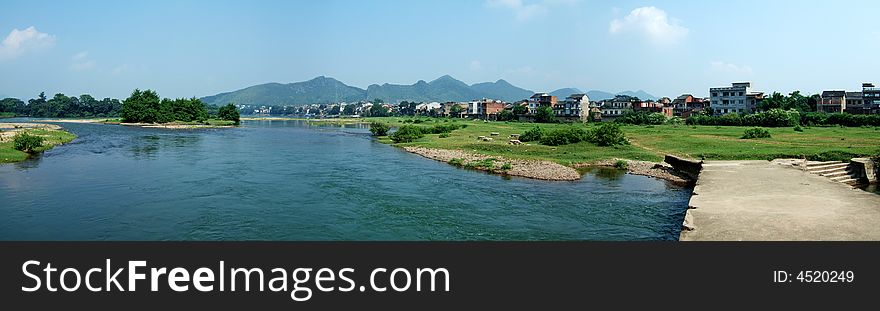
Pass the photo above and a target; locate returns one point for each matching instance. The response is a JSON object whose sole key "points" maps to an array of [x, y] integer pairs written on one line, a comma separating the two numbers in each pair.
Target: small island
{"points": [[144, 108], [19, 141]]}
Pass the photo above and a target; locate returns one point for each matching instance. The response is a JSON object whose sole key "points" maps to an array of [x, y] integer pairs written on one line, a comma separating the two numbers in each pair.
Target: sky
{"points": [[667, 48]]}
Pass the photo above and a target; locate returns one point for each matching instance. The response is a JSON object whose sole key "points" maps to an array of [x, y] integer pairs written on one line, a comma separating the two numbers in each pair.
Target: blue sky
{"points": [[199, 48]]}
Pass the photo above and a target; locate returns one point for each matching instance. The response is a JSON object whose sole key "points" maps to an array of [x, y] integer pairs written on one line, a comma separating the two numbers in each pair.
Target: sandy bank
{"points": [[9, 130], [657, 170], [544, 170], [176, 126], [75, 120]]}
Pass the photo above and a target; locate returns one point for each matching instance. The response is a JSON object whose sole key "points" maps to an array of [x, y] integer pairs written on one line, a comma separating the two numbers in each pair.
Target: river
{"points": [[288, 180]]}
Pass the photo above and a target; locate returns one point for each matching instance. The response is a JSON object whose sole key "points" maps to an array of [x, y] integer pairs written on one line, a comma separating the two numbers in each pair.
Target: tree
{"points": [[456, 110], [230, 113], [506, 115], [520, 110], [141, 106], [545, 115], [379, 128], [378, 110], [348, 110]]}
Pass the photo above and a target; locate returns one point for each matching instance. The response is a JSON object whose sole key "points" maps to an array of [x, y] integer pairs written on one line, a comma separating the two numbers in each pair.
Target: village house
{"points": [[574, 107], [541, 100], [620, 104], [486, 109], [832, 101], [737, 98], [447, 107]]}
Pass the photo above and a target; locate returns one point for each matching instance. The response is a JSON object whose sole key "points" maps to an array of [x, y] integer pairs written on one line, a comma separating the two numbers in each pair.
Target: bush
{"points": [[379, 128], [533, 134], [456, 162], [229, 113], [545, 115], [608, 134], [641, 118], [564, 136], [444, 135], [770, 118], [798, 128], [756, 132], [621, 164], [27, 143], [506, 167], [441, 128], [407, 133]]}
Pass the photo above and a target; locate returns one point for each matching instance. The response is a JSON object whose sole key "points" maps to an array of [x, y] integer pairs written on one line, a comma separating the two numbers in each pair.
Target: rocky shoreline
{"points": [[544, 170]]}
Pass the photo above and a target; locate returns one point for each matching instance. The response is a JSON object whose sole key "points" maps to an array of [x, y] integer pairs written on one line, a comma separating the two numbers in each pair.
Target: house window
{"points": [[725, 94], [740, 93], [714, 94]]}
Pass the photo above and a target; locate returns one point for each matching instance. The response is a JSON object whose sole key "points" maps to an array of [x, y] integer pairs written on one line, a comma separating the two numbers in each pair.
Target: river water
{"points": [[288, 180]]}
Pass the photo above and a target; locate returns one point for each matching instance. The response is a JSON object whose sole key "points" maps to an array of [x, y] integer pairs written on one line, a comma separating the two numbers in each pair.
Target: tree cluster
{"points": [[62, 106], [146, 107]]}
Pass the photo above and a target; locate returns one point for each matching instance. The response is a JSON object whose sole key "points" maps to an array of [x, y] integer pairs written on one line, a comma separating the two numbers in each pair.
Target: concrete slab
{"points": [[764, 201]]}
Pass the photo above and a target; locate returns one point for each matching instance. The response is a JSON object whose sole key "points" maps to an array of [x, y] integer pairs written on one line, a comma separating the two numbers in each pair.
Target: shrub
{"points": [[26, 142], [641, 118], [756, 132], [379, 128], [407, 133], [545, 115], [564, 136], [533, 134], [444, 135], [456, 162], [230, 113], [798, 128], [484, 164], [441, 128], [506, 167], [608, 134], [621, 164]]}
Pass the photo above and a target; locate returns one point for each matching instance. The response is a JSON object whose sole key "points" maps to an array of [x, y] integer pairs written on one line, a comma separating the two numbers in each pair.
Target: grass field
{"points": [[651, 143], [52, 138]]}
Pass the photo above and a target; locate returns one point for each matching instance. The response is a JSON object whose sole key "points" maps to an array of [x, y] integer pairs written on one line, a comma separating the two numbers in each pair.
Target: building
{"points": [[737, 98], [486, 109], [613, 108], [870, 98], [832, 101], [541, 100], [446, 109], [574, 107], [854, 103]]}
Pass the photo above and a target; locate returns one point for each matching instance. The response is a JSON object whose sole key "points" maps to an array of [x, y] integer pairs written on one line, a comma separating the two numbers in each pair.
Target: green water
{"points": [[286, 180]]}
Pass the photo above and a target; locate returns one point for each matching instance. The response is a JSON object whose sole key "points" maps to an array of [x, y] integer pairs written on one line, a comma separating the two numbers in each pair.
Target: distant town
{"points": [[738, 98]]}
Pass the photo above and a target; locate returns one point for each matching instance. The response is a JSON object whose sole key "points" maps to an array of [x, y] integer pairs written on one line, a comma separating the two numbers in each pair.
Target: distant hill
{"points": [[566, 92], [322, 90], [640, 94], [502, 90], [318, 90]]}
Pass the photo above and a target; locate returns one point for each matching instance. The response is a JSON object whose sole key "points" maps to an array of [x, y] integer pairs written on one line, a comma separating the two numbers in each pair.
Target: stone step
{"points": [[815, 163], [849, 181], [830, 170], [827, 167], [842, 177], [836, 173]]}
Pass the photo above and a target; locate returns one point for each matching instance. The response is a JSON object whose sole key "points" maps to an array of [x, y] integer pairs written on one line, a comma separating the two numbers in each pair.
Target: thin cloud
{"points": [[20, 41], [81, 61], [525, 11], [728, 68], [475, 65], [651, 22]]}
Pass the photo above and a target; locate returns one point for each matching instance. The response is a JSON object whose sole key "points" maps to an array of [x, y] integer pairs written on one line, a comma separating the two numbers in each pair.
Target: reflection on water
{"points": [[291, 180]]}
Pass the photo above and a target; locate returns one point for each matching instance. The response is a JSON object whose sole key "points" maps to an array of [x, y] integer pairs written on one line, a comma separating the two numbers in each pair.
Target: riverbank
{"points": [[544, 170], [52, 134], [662, 171], [211, 123]]}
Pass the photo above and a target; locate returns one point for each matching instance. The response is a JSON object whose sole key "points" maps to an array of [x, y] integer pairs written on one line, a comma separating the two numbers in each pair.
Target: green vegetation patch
{"points": [[50, 138]]}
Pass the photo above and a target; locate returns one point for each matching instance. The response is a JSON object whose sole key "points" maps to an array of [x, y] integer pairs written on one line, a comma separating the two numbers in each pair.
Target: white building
{"points": [[737, 98]]}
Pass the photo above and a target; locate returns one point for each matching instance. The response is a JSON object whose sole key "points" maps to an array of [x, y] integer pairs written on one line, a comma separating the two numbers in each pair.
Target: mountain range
{"points": [[446, 88]]}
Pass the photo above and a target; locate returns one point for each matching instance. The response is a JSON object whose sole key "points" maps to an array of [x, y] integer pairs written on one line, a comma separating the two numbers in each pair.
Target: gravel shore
{"points": [[544, 170], [9, 130]]}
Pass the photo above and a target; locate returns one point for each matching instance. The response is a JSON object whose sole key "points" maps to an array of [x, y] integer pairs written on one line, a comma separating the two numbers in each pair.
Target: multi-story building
{"points": [[854, 103], [541, 100], [737, 98], [613, 108], [870, 98], [576, 106], [832, 101], [486, 109]]}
